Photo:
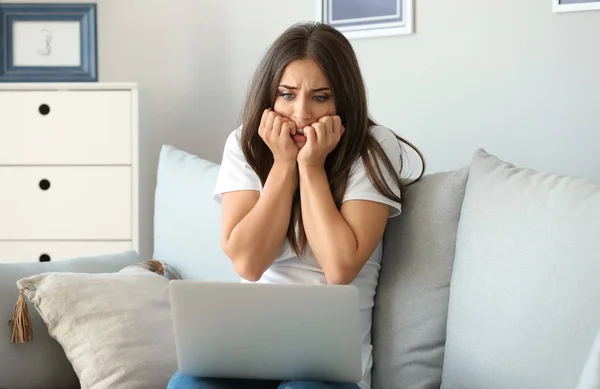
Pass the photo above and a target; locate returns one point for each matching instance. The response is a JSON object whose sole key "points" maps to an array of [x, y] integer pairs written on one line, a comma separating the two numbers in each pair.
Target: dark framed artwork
{"points": [[46, 42], [575, 5], [368, 18]]}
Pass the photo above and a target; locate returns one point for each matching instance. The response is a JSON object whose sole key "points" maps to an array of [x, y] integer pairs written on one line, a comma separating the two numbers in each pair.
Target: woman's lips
{"points": [[299, 138], [298, 135]]}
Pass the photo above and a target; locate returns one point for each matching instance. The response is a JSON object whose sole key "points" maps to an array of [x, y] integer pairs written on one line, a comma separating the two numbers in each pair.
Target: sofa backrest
{"points": [[411, 303]]}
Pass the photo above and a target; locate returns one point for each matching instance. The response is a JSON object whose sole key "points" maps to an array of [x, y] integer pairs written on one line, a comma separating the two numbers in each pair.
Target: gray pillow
{"points": [[409, 317], [525, 298], [42, 362]]}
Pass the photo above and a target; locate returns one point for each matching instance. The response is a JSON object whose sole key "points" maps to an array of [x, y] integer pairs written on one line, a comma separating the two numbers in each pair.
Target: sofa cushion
{"points": [[409, 318], [115, 328], [187, 222], [42, 364], [524, 296]]}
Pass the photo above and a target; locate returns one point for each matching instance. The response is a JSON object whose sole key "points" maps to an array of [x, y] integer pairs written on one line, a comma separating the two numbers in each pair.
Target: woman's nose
{"points": [[302, 112]]}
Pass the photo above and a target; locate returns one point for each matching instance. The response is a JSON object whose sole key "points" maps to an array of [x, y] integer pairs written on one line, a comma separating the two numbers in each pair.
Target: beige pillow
{"points": [[115, 328]]}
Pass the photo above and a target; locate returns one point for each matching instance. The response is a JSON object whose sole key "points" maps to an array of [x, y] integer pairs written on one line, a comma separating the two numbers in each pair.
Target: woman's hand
{"points": [[321, 139], [275, 131]]}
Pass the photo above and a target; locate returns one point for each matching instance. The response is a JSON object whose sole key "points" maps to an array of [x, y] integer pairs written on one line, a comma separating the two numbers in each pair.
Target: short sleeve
{"points": [[234, 173], [360, 186]]}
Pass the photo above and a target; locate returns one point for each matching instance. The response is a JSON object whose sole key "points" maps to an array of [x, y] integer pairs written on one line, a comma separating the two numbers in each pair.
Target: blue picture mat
{"points": [[355, 9], [371, 14], [84, 14]]}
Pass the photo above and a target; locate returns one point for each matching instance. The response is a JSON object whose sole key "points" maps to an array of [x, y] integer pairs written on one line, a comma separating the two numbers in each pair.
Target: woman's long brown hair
{"points": [[330, 49]]}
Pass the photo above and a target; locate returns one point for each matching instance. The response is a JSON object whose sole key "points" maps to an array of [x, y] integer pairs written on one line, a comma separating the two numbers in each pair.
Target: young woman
{"points": [[308, 182]]}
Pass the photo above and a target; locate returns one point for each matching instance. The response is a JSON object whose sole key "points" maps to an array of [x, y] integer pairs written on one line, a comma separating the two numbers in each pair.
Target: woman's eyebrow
{"points": [[312, 90]]}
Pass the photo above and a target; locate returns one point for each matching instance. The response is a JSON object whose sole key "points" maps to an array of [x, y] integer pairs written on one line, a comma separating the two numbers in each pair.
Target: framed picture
{"points": [[48, 42], [575, 5], [368, 18]]}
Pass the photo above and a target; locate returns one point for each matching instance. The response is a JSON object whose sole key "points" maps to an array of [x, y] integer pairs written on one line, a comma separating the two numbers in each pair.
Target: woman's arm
{"points": [[255, 226], [342, 241]]}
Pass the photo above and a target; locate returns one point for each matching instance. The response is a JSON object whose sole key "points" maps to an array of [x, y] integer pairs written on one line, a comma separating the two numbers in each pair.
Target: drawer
{"points": [[41, 251], [65, 127], [66, 203]]}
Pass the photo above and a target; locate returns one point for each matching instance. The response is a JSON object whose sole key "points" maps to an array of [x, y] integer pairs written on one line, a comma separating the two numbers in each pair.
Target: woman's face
{"points": [[304, 96]]}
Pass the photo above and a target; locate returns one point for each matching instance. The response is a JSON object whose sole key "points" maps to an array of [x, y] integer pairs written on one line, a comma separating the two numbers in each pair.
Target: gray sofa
{"points": [[489, 279]]}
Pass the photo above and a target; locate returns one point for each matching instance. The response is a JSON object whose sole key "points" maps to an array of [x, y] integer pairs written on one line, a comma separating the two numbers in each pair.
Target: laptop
{"points": [[267, 331]]}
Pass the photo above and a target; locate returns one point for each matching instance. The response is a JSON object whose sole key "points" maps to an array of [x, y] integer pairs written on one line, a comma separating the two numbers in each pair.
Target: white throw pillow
{"points": [[187, 221], [115, 328], [525, 290]]}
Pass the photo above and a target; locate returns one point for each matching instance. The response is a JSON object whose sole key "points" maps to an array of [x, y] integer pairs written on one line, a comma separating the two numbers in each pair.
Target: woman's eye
{"points": [[321, 99], [286, 96]]}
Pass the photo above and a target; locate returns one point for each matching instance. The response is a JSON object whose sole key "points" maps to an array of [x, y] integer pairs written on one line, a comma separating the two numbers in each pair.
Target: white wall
{"points": [[508, 76]]}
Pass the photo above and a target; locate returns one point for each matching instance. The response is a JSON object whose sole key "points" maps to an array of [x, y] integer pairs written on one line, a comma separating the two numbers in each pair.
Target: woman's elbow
{"points": [[340, 276], [245, 267], [244, 264], [247, 270]]}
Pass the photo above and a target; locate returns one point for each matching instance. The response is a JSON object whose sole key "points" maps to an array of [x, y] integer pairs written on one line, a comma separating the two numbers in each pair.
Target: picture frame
{"points": [[575, 5], [48, 42], [359, 19]]}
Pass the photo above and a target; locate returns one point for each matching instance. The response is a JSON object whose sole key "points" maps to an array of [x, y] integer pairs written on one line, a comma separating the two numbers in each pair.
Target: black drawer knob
{"points": [[44, 109], [45, 258], [44, 184]]}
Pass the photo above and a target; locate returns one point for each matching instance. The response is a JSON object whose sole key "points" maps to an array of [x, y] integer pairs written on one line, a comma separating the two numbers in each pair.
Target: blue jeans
{"points": [[180, 381]]}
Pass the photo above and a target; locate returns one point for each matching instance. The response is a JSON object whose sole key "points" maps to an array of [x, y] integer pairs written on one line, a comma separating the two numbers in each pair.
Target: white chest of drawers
{"points": [[68, 170]]}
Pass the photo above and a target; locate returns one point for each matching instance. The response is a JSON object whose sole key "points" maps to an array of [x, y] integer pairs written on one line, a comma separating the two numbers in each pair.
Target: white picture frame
{"points": [[575, 5], [396, 17]]}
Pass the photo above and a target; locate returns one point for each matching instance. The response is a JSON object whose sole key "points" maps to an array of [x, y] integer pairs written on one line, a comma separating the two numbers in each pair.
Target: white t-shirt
{"points": [[235, 174]]}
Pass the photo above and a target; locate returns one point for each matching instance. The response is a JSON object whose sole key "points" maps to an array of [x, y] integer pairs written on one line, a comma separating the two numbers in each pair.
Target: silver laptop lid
{"points": [[267, 331]]}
